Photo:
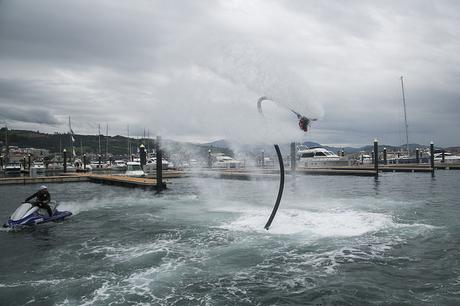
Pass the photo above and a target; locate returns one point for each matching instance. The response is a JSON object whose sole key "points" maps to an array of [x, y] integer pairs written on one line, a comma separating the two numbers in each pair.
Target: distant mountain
{"points": [[118, 145]]}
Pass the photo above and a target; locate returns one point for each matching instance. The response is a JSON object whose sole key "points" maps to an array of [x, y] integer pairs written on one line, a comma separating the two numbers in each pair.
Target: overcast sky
{"points": [[193, 70]]}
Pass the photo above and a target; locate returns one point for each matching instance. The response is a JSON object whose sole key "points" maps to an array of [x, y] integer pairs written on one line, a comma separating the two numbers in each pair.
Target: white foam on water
{"points": [[109, 201], [320, 224]]}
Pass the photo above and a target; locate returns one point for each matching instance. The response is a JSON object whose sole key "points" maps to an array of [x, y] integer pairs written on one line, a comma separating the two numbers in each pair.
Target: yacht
{"points": [[151, 165], [119, 165], [13, 168], [224, 161], [319, 157], [38, 167], [449, 158], [134, 169]]}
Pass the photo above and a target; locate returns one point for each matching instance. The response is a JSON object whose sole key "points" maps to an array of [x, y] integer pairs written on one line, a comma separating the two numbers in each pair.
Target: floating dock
{"points": [[118, 180], [42, 179], [125, 181]]}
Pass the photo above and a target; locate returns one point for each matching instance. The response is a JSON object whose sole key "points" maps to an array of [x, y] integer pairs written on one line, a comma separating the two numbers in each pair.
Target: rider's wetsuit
{"points": [[43, 198]]}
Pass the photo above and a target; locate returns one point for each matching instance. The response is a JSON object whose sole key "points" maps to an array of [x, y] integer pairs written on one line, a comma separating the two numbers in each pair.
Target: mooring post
{"points": [[99, 156], [209, 159], [28, 161], [385, 161], [84, 162], [417, 156], [143, 155], [443, 156], [293, 157], [342, 153], [159, 157], [263, 158], [376, 157], [1, 162], [65, 160], [432, 158]]}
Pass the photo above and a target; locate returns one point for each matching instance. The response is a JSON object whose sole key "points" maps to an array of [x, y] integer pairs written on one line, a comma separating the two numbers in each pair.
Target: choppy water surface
{"points": [[335, 240]]}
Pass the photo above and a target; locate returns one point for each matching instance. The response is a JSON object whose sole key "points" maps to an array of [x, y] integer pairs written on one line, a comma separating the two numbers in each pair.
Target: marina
{"points": [[212, 153]]}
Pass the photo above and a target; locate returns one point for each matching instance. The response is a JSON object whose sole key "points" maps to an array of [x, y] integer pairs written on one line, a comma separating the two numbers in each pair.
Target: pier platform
{"points": [[125, 181], [119, 180], [42, 179]]}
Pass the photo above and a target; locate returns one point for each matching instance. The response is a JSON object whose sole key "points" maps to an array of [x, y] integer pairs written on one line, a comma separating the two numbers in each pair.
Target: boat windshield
{"points": [[134, 168]]}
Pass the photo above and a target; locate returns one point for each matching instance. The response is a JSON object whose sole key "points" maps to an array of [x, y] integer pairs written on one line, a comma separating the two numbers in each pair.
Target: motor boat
{"points": [[13, 168], [119, 165], [134, 169], [319, 157], [38, 167], [28, 215], [151, 165], [227, 162]]}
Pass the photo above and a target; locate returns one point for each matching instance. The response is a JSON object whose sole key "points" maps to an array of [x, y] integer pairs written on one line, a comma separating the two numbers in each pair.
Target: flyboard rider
{"points": [[43, 199]]}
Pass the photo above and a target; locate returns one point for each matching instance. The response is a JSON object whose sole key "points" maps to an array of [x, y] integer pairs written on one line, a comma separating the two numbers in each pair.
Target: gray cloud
{"points": [[194, 69]]}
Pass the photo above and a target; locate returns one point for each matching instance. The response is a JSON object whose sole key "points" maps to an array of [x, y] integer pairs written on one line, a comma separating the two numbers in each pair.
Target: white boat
{"points": [[13, 168], [119, 165], [318, 158], [134, 169], [224, 161], [37, 167], [96, 165], [449, 158], [151, 165], [78, 165]]}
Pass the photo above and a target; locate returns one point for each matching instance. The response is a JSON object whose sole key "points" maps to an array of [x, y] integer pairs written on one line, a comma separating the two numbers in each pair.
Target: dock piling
{"points": [[142, 155], [385, 160], [432, 158], [376, 157], [1, 162], [28, 161], [209, 159], [417, 156], [159, 156], [65, 160], [263, 158], [84, 162], [293, 160], [443, 156]]}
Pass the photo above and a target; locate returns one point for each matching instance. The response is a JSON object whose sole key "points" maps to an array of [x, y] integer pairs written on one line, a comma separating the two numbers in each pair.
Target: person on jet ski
{"points": [[43, 198]]}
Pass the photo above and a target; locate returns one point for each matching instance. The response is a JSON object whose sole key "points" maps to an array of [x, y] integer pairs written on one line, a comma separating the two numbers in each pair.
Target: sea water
{"points": [[335, 240]]}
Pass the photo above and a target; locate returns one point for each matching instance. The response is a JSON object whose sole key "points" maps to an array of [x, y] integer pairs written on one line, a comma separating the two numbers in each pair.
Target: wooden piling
{"points": [[159, 157], [65, 160], [385, 160], [293, 157], [417, 156], [432, 158], [376, 157]]}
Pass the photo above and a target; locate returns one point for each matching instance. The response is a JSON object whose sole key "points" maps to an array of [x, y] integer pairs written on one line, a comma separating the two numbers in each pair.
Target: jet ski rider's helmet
{"points": [[43, 187]]}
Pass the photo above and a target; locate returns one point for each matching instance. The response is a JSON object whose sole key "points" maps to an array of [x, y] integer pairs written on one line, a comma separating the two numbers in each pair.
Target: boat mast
{"points": [[129, 145], [107, 141], [148, 140], [71, 138], [7, 149], [99, 138], [405, 116]]}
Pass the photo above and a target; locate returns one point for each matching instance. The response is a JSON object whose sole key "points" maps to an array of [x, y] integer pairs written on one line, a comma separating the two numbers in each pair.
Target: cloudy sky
{"points": [[193, 70]]}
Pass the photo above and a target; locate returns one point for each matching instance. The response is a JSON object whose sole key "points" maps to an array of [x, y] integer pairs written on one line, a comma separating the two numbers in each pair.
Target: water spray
{"points": [[304, 124]]}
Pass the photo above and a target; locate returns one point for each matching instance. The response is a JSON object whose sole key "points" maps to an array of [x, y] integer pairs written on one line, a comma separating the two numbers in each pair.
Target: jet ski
{"points": [[28, 215]]}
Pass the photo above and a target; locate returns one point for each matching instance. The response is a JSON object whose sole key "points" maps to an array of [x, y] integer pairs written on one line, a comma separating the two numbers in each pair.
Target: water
{"points": [[335, 240]]}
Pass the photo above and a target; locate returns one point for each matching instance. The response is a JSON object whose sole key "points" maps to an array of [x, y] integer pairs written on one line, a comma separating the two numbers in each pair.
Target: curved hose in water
{"points": [[280, 190]]}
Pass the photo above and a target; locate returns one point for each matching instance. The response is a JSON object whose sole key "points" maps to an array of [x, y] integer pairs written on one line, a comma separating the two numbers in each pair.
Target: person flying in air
{"points": [[43, 199]]}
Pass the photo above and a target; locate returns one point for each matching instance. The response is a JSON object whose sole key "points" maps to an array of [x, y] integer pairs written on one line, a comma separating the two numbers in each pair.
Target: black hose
{"points": [[280, 191]]}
